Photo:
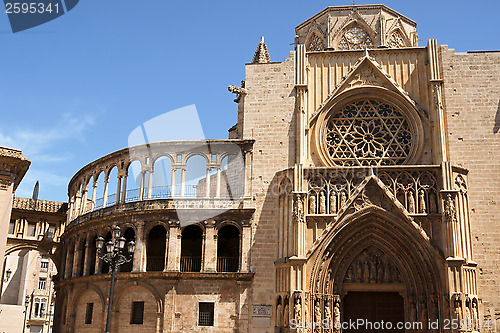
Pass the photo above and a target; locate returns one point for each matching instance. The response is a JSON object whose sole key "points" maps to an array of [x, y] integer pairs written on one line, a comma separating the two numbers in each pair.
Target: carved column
{"points": [[74, 269], [141, 186], [139, 263], [94, 193]]}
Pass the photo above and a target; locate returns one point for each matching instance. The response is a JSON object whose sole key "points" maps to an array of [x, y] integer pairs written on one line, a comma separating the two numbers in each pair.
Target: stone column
{"points": [[172, 183], [139, 263], [94, 194], [124, 189], [118, 188], [183, 181], [217, 186], [245, 247], [207, 182], [174, 247], [210, 245], [105, 192], [150, 185], [76, 258], [86, 266]]}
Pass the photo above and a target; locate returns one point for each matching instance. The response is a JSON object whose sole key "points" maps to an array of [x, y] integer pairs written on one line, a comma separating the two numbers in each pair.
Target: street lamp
{"points": [[26, 305], [115, 258]]}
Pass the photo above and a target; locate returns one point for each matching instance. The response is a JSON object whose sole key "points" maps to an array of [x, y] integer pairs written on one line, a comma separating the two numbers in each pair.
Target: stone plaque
{"points": [[262, 310]]}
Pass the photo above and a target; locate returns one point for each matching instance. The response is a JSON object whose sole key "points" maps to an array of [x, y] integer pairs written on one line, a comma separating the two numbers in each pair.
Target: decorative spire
{"points": [[261, 55]]}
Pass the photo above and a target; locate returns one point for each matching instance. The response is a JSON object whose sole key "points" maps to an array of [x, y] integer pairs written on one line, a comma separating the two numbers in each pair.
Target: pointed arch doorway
{"points": [[376, 307]]}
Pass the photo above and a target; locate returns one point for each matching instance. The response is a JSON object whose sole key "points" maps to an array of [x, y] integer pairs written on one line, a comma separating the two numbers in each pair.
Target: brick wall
{"points": [[472, 100]]}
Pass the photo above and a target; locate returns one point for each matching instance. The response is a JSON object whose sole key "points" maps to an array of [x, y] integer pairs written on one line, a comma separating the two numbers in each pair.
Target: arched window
{"points": [[83, 251], [156, 249], [196, 170], [162, 178], [191, 249], [228, 249], [134, 176], [92, 256], [129, 236]]}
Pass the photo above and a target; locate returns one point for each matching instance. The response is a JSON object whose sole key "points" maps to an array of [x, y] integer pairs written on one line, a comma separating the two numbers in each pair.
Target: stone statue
{"points": [[322, 203], [475, 315], [423, 315], [359, 272], [366, 272], [328, 311], [387, 273], [432, 203], [333, 203], [380, 272], [458, 312], [343, 199], [421, 202], [411, 203], [348, 276], [468, 318], [317, 312], [297, 309], [336, 316], [327, 282], [373, 271], [312, 204], [434, 314], [413, 313], [286, 315]]}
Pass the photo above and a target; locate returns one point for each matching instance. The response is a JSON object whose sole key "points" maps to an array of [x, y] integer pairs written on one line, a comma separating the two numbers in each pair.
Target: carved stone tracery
{"points": [[355, 38], [368, 132]]}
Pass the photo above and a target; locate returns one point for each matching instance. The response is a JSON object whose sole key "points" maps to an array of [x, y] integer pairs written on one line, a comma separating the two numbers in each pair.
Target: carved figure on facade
{"points": [[449, 208], [322, 203], [333, 203], [317, 311], [421, 202], [298, 207], [336, 316], [312, 204], [411, 203]]}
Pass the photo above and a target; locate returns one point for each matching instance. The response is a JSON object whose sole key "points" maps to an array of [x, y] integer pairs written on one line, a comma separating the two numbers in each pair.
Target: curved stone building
{"points": [[345, 192]]}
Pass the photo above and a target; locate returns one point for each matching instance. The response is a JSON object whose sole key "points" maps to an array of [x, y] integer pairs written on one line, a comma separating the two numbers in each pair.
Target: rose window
{"points": [[354, 39], [368, 132]]}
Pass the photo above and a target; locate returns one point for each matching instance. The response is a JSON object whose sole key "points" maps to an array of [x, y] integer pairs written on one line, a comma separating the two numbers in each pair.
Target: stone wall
{"points": [[268, 118], [472, 103]]}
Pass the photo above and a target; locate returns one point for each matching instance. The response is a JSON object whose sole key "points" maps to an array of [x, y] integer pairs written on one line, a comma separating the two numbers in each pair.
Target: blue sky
{"points": [[73, 89]]}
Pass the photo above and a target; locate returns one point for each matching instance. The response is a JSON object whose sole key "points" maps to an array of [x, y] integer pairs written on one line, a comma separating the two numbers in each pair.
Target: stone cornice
{"points": [[13, 165]]}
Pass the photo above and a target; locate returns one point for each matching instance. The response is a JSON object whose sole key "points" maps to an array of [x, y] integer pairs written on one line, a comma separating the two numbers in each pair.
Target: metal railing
{"points": [[155, 263], [190, 264], [227, 264]]}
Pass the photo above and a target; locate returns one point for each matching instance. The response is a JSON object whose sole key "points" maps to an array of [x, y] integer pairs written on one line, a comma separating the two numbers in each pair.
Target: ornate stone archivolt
{"points": [[368, 126]]}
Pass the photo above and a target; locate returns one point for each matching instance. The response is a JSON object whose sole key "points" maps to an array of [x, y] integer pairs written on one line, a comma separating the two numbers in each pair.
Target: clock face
{"points": [[354, 39]]}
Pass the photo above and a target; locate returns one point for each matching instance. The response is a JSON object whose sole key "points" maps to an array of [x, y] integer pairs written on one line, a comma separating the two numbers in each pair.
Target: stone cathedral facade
{"points": [[359, 182]]}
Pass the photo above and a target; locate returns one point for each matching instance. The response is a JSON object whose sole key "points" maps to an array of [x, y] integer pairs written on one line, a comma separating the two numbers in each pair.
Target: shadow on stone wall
{"points": [[497, 120]]}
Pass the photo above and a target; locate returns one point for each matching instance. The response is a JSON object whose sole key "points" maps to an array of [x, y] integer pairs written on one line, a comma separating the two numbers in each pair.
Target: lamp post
{"points": [[26, 305], [115, 258]]}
